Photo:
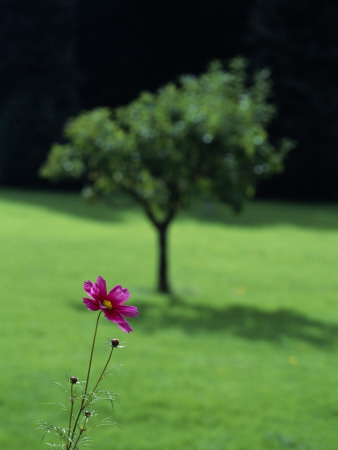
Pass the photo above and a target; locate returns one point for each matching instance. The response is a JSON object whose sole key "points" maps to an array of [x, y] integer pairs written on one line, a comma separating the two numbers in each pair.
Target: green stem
{"points": [[91, 356], [83, 429], [71, 412], [86, 387], [100, 378]]}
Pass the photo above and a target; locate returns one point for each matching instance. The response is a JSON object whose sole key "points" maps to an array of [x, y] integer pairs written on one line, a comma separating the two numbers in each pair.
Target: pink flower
{"points": [[111, 304]]}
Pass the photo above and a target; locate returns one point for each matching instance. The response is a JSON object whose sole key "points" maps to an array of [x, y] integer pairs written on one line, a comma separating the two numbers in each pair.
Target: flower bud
{"points": [[115, 342], [87, 413], [73, 380]]}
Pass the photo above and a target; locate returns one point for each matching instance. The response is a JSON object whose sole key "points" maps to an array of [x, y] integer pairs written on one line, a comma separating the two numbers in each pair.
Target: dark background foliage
{"points": [[62, 56]]}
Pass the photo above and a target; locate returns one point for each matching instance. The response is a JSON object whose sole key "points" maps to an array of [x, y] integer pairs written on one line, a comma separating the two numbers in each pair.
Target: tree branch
{"points": [[144, 205]]}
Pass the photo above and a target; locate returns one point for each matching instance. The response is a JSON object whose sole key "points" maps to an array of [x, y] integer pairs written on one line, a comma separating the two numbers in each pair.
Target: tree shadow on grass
{"points": [[255, 214], [72, 203], [242, 321], [266, 213]]}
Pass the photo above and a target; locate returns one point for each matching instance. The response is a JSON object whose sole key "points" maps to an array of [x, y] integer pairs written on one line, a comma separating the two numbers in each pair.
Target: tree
{"points": [[205, 134]]}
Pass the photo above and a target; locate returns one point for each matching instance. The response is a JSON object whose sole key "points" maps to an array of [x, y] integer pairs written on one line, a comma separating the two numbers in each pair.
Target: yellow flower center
{"points": [[107, 304]]}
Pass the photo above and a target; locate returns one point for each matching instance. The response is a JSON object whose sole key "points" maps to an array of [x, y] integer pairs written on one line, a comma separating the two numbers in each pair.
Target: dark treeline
{"points": [[62, 56]]}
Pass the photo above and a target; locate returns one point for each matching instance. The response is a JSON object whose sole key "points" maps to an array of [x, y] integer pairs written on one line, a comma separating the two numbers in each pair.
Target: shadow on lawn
{"points": [[72, 203], [255, 214], [243, 321], [265, 213]]}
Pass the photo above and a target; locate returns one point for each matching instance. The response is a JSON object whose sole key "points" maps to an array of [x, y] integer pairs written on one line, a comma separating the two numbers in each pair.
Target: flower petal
{"points": [[87, 286], [101, 282], [118, 295], [118, 319], [126, 310], [93, 305], [99, 290]]}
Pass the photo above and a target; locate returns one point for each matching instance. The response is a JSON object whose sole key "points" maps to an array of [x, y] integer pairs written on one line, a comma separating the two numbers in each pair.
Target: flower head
{"points": [[110, 303], [73, 380], [114, 342]]}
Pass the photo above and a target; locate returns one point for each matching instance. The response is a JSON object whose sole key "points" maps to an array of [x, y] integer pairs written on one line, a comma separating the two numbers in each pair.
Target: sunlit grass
{"points": [[245, 359]]}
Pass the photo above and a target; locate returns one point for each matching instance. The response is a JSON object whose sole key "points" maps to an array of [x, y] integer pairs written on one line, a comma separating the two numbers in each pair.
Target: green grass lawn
{"points": [[244, 356]]}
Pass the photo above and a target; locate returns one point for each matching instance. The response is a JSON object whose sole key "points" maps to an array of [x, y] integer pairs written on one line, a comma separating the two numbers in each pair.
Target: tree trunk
{"points": [[163, 284]]}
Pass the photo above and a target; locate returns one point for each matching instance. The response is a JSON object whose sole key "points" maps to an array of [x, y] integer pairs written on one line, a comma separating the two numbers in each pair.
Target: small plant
{"points": [[81, 399]]}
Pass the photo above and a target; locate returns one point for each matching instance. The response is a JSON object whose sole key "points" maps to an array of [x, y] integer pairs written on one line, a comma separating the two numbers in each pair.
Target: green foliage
{"points": [[207, 134]]}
